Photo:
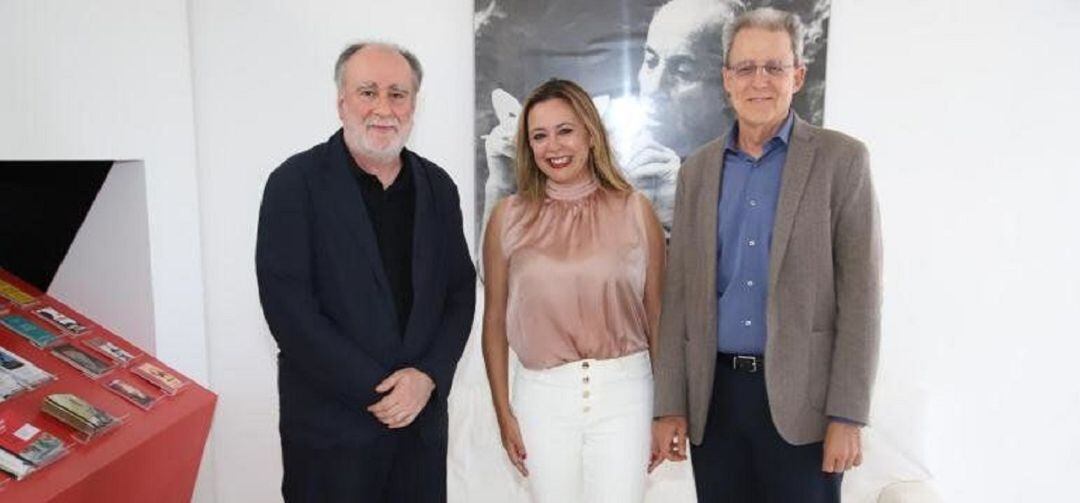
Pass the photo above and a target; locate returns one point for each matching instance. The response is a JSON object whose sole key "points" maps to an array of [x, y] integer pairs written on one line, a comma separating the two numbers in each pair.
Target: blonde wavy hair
{"points": [[601, 162]]}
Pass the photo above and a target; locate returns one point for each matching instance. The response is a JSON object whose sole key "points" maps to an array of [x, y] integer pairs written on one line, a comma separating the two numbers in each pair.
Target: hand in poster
{"points": [[651, 164], [499, 148], [500, 141], [409, 391], [654, 170]]}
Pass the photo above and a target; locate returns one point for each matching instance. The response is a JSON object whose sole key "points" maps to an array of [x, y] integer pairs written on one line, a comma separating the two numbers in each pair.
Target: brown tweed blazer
{"points": [[823, 309]]}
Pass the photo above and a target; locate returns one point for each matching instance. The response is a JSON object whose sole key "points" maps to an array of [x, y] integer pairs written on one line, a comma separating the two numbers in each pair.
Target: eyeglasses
{"points": [[748, 69]]}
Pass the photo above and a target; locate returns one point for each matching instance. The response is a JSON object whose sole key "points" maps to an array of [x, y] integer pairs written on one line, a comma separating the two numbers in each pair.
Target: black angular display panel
{"points": [[42, 206]]}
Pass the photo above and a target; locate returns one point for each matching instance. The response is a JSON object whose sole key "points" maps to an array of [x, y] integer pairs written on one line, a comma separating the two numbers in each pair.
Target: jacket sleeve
{"points": [[857, 259], [670, 368], [441, 360], [308, 340]]}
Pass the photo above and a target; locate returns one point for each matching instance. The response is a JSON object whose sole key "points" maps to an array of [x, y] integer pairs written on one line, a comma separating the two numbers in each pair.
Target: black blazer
{"points": [[329, 305]]}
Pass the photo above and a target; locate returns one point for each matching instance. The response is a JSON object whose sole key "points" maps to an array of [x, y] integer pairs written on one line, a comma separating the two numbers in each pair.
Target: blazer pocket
{"points": [[818, 368]]}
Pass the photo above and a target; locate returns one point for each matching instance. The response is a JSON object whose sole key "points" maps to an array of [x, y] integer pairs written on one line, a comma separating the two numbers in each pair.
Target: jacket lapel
{"points": [[792, 182], [708, 206], [425, 245], [346, 199]]}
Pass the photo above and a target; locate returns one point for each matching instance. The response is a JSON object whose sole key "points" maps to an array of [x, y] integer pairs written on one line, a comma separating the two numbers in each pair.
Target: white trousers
{"points": [[586, 426]]}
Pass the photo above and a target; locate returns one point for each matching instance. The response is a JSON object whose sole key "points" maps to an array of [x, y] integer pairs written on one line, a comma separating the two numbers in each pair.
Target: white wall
{"points": [[107, 268], [969, 108]]}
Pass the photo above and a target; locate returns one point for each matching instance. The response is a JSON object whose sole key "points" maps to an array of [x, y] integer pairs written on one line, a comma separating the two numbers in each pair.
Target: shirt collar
{"points": [[783, 134], [402, 182]]}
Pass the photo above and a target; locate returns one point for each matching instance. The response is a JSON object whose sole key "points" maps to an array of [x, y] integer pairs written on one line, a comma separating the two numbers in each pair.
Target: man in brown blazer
{"points": [[770, 325]]}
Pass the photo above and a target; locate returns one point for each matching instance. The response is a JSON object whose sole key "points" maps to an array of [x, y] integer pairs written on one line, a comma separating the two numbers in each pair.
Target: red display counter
{"points": [[152, 456]]}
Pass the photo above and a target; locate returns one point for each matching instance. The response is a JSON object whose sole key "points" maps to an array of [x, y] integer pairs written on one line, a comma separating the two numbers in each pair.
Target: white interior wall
{"points": [[107, 268], [966, 106], [969, 108]]}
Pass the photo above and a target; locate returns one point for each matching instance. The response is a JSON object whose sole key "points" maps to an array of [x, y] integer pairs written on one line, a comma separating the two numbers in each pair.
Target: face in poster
{"points": [[653, 68]]}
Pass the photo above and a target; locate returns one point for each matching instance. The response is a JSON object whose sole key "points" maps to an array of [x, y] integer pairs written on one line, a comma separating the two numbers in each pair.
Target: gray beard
{"points": [[358, 146], [385, 155]]}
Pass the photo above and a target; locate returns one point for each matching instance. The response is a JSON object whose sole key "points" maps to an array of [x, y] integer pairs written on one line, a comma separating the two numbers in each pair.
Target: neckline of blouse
{"points": [[571, 191]]}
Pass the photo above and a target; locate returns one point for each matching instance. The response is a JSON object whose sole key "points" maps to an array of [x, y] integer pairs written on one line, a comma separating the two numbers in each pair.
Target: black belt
{"points": [[745, 363]]}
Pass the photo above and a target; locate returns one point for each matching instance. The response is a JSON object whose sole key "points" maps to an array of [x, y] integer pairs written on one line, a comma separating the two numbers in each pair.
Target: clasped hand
{"points": [[668, 440], [842, 449], [409, 391]]}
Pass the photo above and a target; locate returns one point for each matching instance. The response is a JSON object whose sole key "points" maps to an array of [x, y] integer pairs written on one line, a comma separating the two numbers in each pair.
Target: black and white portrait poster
{"points": [[653, 68]]}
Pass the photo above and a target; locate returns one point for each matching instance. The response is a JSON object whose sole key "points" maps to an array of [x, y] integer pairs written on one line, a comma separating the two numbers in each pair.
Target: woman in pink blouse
{"points": [[573, 265]]}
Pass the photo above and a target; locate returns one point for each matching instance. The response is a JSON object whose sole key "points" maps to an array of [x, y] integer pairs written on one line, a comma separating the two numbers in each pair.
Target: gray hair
{"points": [[768, 18], [414, 63]]}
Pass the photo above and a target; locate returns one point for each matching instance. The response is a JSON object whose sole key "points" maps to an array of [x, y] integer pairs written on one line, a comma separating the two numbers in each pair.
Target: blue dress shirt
{"points": [[749, 192]]}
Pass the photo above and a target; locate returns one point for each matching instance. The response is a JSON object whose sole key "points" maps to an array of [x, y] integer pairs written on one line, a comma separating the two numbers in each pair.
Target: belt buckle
{"points": [[740, 358]]}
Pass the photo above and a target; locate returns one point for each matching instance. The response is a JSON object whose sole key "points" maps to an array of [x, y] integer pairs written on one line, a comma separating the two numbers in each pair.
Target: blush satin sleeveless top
{"points": [[576, 275]]}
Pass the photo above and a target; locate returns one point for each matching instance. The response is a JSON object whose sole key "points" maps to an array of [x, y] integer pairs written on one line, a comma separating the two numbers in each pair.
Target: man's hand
{"points": [[410, 390], [668, 440], [843, 447]]}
